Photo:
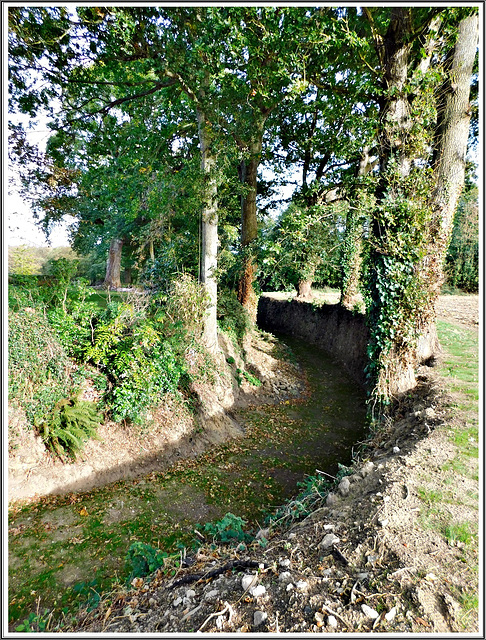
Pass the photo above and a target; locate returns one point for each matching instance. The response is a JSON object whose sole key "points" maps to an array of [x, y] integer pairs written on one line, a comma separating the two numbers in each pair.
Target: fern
{"points": [[70, 425]]}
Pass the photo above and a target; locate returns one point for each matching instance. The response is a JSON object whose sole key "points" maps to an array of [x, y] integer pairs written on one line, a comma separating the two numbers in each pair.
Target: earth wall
{"points": [[338, 331]]}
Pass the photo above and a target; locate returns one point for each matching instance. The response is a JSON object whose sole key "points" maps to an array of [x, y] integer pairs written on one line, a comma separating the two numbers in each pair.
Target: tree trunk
{"points": [[352, 243], [209, 234], [453, 133], [392, 360], [112, 278], [304, 290], [249, 229], [404, 285]]}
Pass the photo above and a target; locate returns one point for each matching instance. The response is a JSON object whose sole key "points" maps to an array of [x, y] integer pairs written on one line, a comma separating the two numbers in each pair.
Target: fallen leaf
{"points": [[422, 622], [83, 512]]}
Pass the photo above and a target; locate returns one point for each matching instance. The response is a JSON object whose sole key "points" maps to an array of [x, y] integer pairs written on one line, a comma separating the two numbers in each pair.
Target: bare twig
{"points": [[329, 611], [227, 609]]}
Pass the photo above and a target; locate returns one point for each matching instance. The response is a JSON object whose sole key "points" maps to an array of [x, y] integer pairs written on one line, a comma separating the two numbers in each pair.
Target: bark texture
{"points": [[304, 290], [209, 233], [452, 136], [249, 227], [113, 265]]}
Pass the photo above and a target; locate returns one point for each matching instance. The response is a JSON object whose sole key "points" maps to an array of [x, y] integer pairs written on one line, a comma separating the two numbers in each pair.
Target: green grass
{"points": [[103, 297], [460, 368]]}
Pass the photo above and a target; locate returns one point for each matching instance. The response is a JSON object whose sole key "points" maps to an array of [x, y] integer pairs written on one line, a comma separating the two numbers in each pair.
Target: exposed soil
{"points": [[171, 431], [365, 560]]}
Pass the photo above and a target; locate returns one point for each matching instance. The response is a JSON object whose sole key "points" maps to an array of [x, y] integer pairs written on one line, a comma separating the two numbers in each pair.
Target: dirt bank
{"points": [[171, 432]]}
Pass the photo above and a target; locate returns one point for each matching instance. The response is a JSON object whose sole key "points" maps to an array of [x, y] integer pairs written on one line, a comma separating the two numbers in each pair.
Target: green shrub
{"points": [[69, 426], [143, 559], [184, 308], [232, 316], [227, 530], [40, 372], [140, 366]]}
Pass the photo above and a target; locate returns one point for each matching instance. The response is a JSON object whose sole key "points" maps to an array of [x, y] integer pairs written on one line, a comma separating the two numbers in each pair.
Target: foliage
{"points": [[86, 589], [185, 307], [35, 623], [140, 366], [71, 423], [143, 559], [40, 373], [233, 318], [228, 530], [301, 246], [314, 490], [396, 280], [462, 260], [21, 261]]}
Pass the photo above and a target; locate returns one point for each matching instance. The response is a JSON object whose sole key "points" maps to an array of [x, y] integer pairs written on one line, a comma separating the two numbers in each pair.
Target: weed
{"points": [[458, 532], [252, 379], [430, 495], [143, 559], [35, 623], [227, 530]]}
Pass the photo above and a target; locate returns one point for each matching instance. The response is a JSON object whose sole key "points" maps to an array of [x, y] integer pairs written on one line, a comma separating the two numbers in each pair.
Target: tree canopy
{"points": [[163, 119]]}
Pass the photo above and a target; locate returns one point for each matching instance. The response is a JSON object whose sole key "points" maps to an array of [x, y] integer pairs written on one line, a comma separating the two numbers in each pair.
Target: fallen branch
{"points": [[227, 608], [234, 564]]}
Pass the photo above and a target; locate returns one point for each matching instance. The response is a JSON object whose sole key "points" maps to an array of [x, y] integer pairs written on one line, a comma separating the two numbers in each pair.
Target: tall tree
{"points": [[407, 224]]}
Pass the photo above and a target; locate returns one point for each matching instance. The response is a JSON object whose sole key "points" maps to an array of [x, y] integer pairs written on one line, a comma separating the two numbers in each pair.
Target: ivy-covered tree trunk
{"points": [[353, 238], [209, 233], [113, 265], [248, 171], [392, 268], [414, 210]]}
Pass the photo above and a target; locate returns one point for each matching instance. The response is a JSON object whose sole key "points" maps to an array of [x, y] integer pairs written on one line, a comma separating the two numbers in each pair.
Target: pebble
{"points": [[302, 585], [258, 591], [343, 487], [328, 540], [214, 593], [285, 576], [383, 522], [362, 576], [369, 612], [247, 581], [367, 468], [396, 449], [259, 618], [177, 602], [190, 593], [332, 622], [263, 533], [331, 499], [319, 618], [290, 586], [285, 562], [391, 614]]}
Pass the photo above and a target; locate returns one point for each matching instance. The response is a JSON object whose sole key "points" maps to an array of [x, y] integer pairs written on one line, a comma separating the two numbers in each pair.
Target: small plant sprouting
{"points": [[35, 623]]}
